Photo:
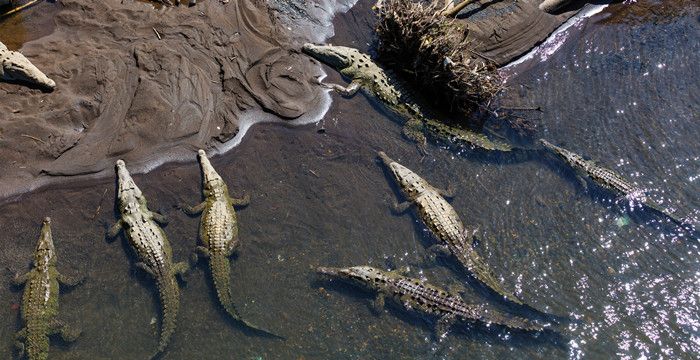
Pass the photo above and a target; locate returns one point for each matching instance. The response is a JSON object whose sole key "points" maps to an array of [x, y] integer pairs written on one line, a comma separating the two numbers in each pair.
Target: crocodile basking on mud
{"points": [[219, 233], [366, 75], [151, 246], [17, 68], [442, 220], [422, 297], [607, 179], [40, 300]]}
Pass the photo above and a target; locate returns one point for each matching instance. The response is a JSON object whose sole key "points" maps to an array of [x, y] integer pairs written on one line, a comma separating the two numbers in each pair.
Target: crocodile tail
{"points": [[481, 272], [513, 322], [169, 292], [221, 275]]}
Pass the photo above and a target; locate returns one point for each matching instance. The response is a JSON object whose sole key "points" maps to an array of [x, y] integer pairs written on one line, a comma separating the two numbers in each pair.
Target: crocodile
{"points": [[219, 234], [151, 246], [420, 296], [442, 220], [15, 67], [608, 179], [40, 300], [369, 77], [552, 6]]}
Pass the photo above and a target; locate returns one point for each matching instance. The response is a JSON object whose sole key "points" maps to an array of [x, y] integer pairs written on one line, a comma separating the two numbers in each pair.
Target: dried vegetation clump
{"points": [[416, 39]]}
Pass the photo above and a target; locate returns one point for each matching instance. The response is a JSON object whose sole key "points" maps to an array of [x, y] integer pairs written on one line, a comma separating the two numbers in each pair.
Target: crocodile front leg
{"points": [[194, 210], [160, 218], [350, 90], [65, 332], [115, 229], [244, 201], [19, 280], [448, 193], [400, 208]]}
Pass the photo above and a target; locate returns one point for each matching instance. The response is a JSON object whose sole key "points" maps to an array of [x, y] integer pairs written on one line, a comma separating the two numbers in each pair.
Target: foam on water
{"points": [[558, 37]]}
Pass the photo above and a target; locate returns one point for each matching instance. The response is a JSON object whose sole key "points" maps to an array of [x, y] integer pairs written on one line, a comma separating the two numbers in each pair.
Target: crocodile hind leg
{"points": [[413, 130], [443, 325], [20, 337], [199, 251], [378, 304], [438, 250], [181, 270], [65, 332]]}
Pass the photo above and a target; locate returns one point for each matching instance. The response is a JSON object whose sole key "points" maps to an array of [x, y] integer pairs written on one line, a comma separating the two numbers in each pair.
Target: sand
{"points": [[124, 93]]}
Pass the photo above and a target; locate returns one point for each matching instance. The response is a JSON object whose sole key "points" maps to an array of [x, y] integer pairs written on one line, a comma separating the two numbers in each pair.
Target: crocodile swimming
{"points": [[16, 67], [426, 299], [442, 220], [219, 233], [40, 300], [369, 77], [607, 179], [151, 246]]}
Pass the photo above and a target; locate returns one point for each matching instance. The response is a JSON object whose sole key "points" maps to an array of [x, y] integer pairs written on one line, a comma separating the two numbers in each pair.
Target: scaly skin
{"points": [[219, 234], [367, 76], [552, 6], [607, 179], [152, 248], [442, 220], [15, 67], [40, 300], [424, 298]]}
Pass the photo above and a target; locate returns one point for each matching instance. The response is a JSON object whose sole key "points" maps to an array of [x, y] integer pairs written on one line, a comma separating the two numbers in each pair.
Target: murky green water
{"points": [[623, 93]]}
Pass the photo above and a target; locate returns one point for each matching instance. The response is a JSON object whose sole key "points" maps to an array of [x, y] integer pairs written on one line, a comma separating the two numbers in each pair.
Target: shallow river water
{"points": [[623, 89]]}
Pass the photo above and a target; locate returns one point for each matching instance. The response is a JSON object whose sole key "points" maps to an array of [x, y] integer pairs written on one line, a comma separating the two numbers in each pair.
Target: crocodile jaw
{"points": [[45, 250], [359, 274], [209, 174], [336, 56], [411, 184], [16, 67], [551, 6], [126, 186]]}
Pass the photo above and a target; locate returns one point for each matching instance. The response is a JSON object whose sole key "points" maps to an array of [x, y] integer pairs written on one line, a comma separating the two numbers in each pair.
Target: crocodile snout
{"points": [[385, 158], [328, 271]]}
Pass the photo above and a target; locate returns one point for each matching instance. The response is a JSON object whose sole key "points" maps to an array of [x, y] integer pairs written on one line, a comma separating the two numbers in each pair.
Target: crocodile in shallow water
{"points": [[151, 246], [17, 68], [366, 75], [608, 179], [422, 297], [443, 221], [219, 233], [40, 300]]}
